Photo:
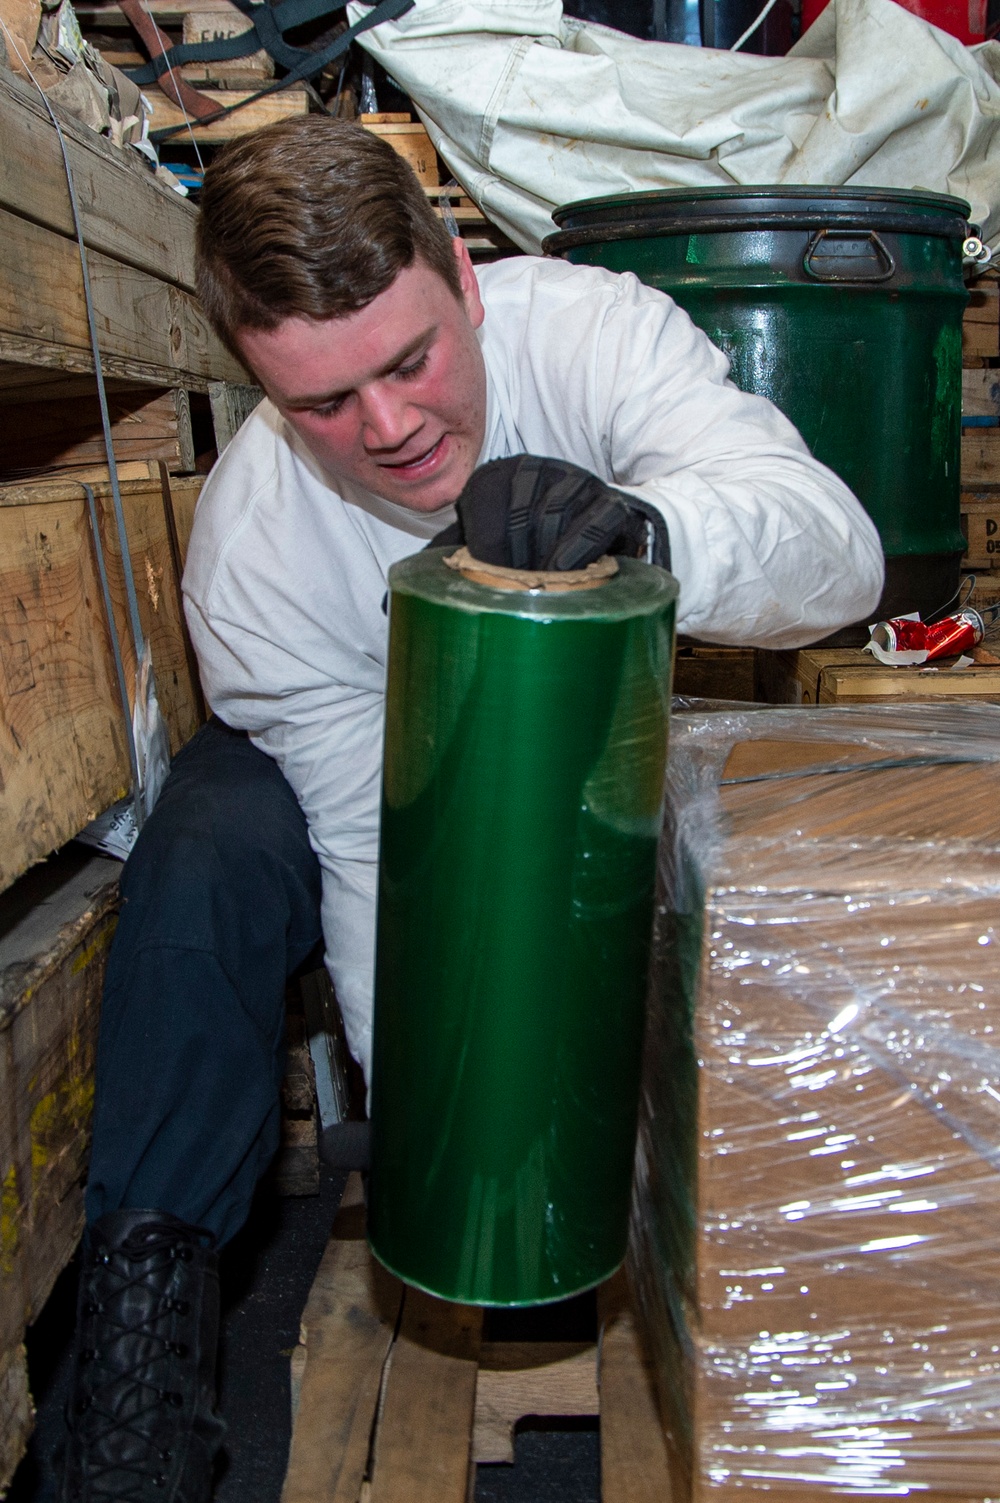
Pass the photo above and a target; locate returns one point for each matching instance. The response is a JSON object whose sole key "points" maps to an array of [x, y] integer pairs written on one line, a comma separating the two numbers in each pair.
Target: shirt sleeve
{"points": [[770, 547]]}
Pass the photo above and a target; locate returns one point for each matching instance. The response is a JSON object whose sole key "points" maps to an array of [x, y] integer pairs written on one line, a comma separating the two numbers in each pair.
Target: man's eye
{"points": [[414, 368], [328, 409]]}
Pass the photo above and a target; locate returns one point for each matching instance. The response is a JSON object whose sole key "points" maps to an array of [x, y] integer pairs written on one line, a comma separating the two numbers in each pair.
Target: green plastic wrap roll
{"points": [[525, 746]]}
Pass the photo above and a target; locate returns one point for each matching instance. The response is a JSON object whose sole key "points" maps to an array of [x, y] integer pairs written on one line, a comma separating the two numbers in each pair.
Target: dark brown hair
{"points": [[310, 218]]}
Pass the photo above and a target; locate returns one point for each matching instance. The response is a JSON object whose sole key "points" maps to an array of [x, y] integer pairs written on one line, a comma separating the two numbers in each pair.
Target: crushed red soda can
{"points": [[939, 639]]}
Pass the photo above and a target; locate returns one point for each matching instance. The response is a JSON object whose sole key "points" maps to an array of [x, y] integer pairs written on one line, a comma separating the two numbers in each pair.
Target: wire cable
{"points": [[754, 25]]}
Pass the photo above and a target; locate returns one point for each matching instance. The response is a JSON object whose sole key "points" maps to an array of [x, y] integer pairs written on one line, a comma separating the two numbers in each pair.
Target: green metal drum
{"points": [[842, 305], [525, 748]]}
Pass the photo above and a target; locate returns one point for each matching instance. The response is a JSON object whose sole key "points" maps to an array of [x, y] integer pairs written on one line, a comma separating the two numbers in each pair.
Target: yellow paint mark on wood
{"points": [[57, 1121], [9, 1221], [100, 942]]}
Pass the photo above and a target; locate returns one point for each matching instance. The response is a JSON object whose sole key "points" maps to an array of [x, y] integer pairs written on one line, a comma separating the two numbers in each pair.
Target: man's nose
{"points": [[387, 418]]}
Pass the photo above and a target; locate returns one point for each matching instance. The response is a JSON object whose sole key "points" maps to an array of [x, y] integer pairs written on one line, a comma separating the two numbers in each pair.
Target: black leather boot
{"points": [[141, 1414]]}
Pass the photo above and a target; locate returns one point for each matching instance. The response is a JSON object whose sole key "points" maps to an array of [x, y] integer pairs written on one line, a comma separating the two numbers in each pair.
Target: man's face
{"points": [[393, 396]]}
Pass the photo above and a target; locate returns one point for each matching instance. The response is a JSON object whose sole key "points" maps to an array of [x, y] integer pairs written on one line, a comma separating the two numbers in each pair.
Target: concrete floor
{"points": [[266, 1275]]}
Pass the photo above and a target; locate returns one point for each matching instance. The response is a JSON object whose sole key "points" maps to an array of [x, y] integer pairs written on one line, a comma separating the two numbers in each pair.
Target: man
{"points": [[392, 371]]}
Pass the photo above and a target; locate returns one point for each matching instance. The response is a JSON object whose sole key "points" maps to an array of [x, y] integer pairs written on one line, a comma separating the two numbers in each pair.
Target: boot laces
{"points": [[109, 1475]]}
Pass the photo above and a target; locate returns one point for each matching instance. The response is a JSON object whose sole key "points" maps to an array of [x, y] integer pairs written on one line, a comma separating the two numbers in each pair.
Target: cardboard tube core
{"points": [[500, 578]]}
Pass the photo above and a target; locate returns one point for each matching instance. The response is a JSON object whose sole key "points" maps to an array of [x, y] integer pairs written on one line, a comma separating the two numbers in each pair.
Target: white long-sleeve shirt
{"points": [[287, 566]]}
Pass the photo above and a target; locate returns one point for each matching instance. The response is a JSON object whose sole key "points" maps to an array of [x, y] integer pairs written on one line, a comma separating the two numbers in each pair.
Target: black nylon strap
{"points": [[269, 24], [309, 63]]}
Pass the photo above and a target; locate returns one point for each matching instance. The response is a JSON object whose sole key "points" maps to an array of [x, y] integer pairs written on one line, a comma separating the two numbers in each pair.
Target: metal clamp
{"points": [[884, 265]]}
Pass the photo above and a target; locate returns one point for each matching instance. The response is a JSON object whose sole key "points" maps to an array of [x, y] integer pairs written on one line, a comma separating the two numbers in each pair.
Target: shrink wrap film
{"points": [[522, 805], [815, 1238]]}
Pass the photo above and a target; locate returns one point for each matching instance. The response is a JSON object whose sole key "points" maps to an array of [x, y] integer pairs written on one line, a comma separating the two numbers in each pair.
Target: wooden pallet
{"points": [[396, 1396]]}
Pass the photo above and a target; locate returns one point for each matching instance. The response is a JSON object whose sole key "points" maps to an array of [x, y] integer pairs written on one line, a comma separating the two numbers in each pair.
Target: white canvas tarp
{"points": [[531, 109]]}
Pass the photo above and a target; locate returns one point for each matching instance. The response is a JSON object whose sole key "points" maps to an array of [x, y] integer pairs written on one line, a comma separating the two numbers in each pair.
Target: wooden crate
{"points": [[396, 1396], [980, 457], [981, 392], [410, 139], [140, 241], [984, 593], [210, 24], [483, 240], [37, 437], [849, 675], [981, 525], [56, 928], [703, 671], [981, 324], [63, 753], [279, 106]]}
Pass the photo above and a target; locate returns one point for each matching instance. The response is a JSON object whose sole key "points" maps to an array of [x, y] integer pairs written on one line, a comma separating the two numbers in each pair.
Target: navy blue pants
{"points": [[221, 903]]}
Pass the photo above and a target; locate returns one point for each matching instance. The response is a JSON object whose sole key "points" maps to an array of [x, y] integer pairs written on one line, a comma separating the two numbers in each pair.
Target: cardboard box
{"points": [[817, 1209]]}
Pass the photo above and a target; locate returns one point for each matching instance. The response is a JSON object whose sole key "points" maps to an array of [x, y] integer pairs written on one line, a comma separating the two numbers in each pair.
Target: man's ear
{"points": [[468, 282]]}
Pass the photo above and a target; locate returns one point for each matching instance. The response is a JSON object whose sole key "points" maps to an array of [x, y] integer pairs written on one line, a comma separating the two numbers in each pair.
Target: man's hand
{"points": [[531, 513]]}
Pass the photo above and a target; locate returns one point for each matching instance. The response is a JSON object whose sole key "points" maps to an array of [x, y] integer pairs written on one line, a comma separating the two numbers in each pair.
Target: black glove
{"points": [[531, 513]]}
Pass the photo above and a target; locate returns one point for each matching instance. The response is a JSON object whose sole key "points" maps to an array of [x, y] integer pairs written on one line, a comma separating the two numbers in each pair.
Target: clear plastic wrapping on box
{"points": [[816, 1223]]}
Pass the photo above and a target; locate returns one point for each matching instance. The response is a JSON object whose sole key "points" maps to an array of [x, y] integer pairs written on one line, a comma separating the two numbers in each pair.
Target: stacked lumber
{"points": [[63, 748], [140, 243], [224, 83]]}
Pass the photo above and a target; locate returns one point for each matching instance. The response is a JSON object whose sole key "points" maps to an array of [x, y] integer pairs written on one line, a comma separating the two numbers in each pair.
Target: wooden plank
{"points": [[63, 756], [634, 1462], [295, 1170], [709, 672], [126, 213], [16, 1412], [981, 525], [519, 1378], [280, 106], [231, 405], [84, 474], [422, 1446], [212, 24], [153, 326], [101, 15], [980, 457], [347, 1328], [981, 392], [981, 324], [985, 592], [413, 143], [32, 383], [43, 435], [56, 931], [848, 675]]}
